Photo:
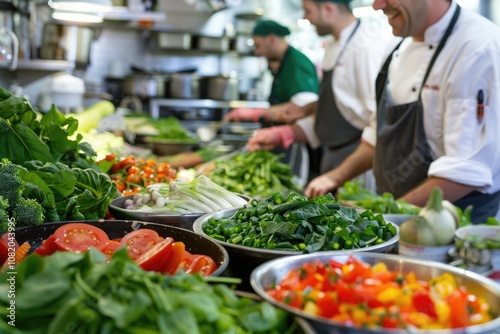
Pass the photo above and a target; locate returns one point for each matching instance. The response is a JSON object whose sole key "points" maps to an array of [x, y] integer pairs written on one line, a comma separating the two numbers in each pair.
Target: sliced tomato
{"points": [[156, 258], [7, 241], [140, 241], [80, 237], [202, 264], [187, 259], [175, 258], [47, 247], [110, 248]]}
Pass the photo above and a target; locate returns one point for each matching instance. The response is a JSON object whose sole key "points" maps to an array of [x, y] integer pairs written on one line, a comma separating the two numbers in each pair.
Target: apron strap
{"points": [[382, 75], [346, 43], [441, 46]]}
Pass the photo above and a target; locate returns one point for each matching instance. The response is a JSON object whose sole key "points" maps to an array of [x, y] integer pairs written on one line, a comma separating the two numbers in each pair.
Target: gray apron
{"points": [[402, 154], [338, 136]]}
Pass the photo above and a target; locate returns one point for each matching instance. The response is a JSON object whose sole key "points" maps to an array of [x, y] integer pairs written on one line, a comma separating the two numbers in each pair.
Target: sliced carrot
{"points": [[22, 251], [19, 255]]}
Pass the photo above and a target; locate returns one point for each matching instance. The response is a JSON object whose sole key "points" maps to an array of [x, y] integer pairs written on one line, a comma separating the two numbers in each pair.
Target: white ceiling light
{"points": [[82, 6], [77, 17]]}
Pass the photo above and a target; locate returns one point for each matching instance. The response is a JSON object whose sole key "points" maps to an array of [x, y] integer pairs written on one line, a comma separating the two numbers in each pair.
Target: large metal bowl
{"points": [[195, 243], [185, 221], [245, 259], [267, 274]]}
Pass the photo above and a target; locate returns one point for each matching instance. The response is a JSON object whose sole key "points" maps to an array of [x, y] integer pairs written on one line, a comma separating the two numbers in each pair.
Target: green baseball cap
{"points": [[269, 27]]}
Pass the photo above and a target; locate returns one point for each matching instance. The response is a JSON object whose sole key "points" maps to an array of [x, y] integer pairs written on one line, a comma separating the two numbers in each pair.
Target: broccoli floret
{"points": [[12, 186], [28, 212], [4, 215]]}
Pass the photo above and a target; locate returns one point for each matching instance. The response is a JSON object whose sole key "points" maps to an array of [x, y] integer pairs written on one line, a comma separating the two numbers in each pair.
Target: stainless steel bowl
{"points": [[185, 221], [265, 275], [195, 243], [245, 259], [397, 219]]}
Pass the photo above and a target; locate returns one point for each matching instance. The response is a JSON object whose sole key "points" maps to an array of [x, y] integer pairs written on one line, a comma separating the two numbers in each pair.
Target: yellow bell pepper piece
{"points": [[389, 295]]}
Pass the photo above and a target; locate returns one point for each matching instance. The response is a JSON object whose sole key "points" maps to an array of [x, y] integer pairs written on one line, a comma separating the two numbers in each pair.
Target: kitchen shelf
{"points": [[44, 65], [124, 14], [155, 104]]}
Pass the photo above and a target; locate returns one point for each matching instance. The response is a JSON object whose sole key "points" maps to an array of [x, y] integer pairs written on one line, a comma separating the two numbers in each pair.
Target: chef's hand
{"points": [[269, 138], [245, 114], [321, 185]]}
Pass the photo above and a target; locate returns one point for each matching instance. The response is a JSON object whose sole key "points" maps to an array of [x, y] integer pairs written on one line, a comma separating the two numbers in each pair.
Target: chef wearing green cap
{"points": [[346, 105], [295, 77]]}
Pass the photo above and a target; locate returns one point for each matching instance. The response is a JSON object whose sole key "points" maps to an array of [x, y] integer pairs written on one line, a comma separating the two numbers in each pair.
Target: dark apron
{"points": [[338, 136], [402, 154]]}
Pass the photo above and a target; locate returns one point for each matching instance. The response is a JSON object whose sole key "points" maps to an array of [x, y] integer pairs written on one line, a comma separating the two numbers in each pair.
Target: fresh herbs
{"points": [[81, 292], [298, 224], [385, 203]]}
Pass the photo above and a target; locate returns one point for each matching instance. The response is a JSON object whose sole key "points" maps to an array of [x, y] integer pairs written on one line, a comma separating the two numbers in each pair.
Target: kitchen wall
{"points": [[119, 46]]}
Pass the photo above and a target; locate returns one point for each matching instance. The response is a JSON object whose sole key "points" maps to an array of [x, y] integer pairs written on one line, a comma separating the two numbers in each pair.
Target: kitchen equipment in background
{"points": [[67, 92], [185, 85], [207, 133], [145, 85], [244, 44], [223, 87], [172, 40], [7, 10], [216, 44], [8, 48], [64, 42]]}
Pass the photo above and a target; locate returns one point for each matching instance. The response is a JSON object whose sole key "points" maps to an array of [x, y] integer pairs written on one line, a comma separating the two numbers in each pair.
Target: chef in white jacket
{"points": [[438, 115], [353, 57]]}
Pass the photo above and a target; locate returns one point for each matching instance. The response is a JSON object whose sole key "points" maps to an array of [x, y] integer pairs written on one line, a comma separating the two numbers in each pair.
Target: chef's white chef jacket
{"points": [[465, 150], [355, 72]]}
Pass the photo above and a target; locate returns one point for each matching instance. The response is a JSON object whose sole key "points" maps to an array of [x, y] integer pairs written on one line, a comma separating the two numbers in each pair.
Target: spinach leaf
{"points": [[181, 321], [41, 290]]}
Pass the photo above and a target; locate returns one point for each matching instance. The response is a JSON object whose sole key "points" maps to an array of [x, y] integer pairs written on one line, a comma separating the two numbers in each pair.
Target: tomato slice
{"points": [[186, 261], [47, 247], [156, 258], [175, 258], [140, 241], [110, 248], [79, 237], [202, 264], [7, 241]]}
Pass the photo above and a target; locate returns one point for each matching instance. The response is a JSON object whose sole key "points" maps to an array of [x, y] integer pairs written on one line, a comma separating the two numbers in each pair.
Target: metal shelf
{"points": [[124, 14], [44, 65], [155, 104]]}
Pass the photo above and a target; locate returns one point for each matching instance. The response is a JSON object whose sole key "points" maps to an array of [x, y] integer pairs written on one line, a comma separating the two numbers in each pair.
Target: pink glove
{"points": [[269, 138], [245, 114]]}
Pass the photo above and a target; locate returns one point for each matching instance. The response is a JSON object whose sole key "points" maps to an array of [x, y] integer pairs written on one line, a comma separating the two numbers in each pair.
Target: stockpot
{"points": [[145, 85], [223, 87]]}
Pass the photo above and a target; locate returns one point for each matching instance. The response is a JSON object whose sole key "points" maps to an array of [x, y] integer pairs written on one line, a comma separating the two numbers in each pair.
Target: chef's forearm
{"points": [[452, 191], [355, 164]]}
